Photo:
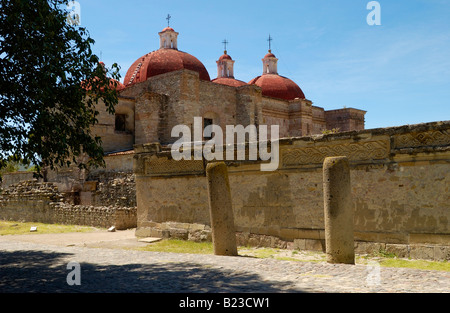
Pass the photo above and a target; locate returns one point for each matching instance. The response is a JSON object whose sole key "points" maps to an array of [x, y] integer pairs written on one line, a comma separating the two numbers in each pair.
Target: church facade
{"points": [[168, 87]]}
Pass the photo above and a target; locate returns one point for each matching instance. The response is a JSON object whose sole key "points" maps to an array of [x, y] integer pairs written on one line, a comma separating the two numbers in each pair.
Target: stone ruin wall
{"points": [[104, 199], [400, 186]]}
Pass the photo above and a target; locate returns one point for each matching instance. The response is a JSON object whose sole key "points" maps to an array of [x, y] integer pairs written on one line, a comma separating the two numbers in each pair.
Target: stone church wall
{"points": [[175, 98], [400, 183], [345, 119]]}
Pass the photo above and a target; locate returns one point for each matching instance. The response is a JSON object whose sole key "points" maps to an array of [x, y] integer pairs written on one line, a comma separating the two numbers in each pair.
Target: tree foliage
{"points": [[50, 86]]}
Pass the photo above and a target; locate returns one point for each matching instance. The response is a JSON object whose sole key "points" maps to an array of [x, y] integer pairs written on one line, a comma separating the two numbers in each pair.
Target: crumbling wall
{"points": [[98, 216], [114, 189], [33, 201], [29, 201], [9, 179]]}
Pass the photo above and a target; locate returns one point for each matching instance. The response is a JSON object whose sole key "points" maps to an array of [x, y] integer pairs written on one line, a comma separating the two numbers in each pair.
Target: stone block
{"points": [[300, 244], [221, 210], [338, 211], [178, 233], [400, 250], [315, 245], [363, 247], [442, 253], [422, 252]]}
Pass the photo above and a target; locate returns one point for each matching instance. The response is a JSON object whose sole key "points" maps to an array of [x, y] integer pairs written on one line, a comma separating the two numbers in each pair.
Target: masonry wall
{"points": [[32, 201], [400, 183], [175, 98], [9, 179], [113, 140], [346, 119]]}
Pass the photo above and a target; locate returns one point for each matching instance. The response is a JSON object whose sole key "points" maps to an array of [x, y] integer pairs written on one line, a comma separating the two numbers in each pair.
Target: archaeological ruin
{"points": [[400, 182]]}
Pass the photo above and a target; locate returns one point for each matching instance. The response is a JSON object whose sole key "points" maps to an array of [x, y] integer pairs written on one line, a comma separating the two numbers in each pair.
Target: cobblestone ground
{"points": [[33, 267]]}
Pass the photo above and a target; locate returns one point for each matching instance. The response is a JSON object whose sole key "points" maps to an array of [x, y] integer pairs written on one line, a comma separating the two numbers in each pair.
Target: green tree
{"points": [[50, 85]]}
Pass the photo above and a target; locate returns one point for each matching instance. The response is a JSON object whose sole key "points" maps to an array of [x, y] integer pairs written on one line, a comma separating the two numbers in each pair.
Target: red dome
{"points": [[229, 82], [269, 55], [163, 61], [113, 84], [168, 28], [119, 85], [277, 86], [225, 57]]}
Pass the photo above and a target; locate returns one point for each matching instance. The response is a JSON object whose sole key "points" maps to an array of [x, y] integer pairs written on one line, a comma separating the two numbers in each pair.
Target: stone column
{"points": [[339, 240], [221, 210]]}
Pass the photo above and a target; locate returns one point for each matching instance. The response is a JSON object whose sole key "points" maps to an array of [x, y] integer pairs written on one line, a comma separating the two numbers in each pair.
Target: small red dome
{"points": [[118, 85], [168, 29], [229, 82], [276, 86], [163, 61], [113, 84], [225, 57], [269, 55]]}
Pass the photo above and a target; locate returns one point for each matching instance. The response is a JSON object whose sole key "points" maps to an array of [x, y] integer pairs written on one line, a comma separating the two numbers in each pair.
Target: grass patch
{"points": [[179, 246], [417, 264], [386, 259], [22, 228], [261, 253]]}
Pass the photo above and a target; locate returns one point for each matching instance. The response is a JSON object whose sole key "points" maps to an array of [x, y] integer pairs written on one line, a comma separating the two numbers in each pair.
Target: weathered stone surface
{"points": [[221, 210], [355, 151], [400, 198], [338, 208], [42, 202]]}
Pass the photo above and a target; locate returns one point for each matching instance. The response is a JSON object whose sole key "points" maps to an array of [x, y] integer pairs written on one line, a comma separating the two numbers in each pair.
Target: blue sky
{"points": [[399, 72]]}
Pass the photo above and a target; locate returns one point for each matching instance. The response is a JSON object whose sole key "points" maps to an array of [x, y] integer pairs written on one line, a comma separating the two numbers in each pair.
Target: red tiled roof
{"points": [[276, 86], [163, 61], [168, 28], [269, 55], [113, 84], [225, 56]]}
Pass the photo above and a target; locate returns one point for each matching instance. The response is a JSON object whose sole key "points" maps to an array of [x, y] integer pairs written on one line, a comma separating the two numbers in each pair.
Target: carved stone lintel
{"points": [[422, 139], [355, 151]]}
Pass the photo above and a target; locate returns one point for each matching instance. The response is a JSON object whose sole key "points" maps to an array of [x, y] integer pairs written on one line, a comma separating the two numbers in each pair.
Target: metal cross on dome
{"points": [[168, 20], [225, 42], [270, 42]]}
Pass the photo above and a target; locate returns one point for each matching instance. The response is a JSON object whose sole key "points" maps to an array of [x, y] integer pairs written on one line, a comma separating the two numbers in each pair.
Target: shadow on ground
{"points": [[46, 272]]}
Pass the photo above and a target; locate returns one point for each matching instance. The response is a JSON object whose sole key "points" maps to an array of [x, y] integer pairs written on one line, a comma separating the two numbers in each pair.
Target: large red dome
{"points": [[276, 86], [163, 61]]}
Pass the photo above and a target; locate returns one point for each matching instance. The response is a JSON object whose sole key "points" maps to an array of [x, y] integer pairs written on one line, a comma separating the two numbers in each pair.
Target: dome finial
{"points": [[168, 36], [225, 42], [270, 43], [225, 63]]}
